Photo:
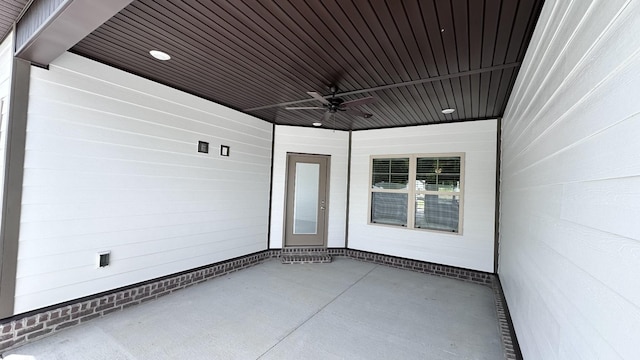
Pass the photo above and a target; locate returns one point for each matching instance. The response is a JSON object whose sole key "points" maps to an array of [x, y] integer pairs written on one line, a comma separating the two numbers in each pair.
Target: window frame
{"points": [[411, 190]]}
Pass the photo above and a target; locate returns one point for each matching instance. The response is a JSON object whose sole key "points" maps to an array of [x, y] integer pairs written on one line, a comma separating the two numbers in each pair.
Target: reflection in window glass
{"points": [[437, 212], [389, 208], [436, 191], [391, 173], [438, 174]]}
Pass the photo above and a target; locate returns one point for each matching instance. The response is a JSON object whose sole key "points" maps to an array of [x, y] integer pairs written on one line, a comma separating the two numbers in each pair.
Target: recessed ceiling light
{"points": [[160, 55], [316, 124], [448, 111]]}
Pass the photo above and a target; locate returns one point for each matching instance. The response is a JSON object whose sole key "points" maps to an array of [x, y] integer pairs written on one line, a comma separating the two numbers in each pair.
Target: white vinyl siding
{"points": [[311, 141], [6, 66], [112, 165], [474, 248], [570, 194]]}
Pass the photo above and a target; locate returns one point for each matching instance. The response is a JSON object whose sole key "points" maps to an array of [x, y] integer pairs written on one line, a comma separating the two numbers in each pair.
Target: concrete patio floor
{"points": [[343, 310]]}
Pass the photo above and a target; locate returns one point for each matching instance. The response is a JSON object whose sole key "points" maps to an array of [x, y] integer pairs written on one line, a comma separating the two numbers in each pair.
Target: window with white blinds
{"points": [[422, 191]]}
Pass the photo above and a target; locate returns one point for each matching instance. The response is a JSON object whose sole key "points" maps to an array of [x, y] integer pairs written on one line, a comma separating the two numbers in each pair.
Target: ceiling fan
{"points": [[334, 104]]}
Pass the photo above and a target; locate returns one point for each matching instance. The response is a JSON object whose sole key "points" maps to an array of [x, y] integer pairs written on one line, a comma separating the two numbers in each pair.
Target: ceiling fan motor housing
{"points": [[334, 104]]}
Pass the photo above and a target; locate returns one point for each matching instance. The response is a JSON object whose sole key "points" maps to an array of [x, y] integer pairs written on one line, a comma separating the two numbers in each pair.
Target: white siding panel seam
{"points": [[113, 165], [574, 72], [265, 130]]}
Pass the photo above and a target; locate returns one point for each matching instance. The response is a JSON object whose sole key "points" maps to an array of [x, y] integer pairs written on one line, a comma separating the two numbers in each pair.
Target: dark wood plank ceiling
{"points": [[416, 57]]}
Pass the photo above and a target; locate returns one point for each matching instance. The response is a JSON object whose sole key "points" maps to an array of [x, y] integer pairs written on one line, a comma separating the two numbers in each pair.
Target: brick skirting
{"points": [[23, 328], [18, 330]]}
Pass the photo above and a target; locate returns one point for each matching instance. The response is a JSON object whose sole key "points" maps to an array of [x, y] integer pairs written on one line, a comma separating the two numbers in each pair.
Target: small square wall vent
{"points": [[103, 258], [203, 147]]}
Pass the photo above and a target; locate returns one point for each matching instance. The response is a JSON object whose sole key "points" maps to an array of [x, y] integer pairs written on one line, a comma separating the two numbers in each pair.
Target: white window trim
{"points": [[412, 192]]}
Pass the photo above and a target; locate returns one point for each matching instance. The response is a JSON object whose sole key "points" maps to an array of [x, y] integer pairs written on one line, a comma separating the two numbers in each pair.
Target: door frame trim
{"points": [[327, 201]]}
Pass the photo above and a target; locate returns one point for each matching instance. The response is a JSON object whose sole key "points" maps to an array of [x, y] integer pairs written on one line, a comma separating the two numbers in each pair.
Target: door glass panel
{"points": [[305, 203]]}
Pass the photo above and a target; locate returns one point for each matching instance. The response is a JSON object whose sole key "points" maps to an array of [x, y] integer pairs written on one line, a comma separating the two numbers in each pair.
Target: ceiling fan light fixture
{"points": [[160, 55], [448, 111], [317, 124]]}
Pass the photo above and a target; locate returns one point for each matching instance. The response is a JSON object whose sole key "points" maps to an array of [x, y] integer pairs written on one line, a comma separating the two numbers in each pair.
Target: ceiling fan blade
{"points": [[304, 108], [358, 113], [358, 102], [318, 97]]}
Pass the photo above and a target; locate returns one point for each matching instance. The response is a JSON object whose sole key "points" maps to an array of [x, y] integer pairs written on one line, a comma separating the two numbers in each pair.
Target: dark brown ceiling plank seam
{"points": [[228, 62], [167, 77], [143, 41], [485, 83], [309, 37], [343, 74], [382, 114], [390, 37], [398, 97], [236, 53], [448, 35], [407, 83], [408, 39], [394, 40], [388, 50], [518, 30], [436, 94], [309, 34], [381, 110], [496, 81], [391, 98], [98, 40], [402, 100], [133, 57], [444, 92], [361, 25], [353, 24], [432, 29], [475, 95], [520, 26], [332, 65], [169, 81], [458, 97], [434, 111], [508, 11], [344, 45], [284, 43], [387, 114], [461, 25], [449, 97], [505, 89], [268, 49], [465, 84], [424, 103], [363, 57], [533, 19], [476, 28], [409, 97], [419, 31], [491, 17]]}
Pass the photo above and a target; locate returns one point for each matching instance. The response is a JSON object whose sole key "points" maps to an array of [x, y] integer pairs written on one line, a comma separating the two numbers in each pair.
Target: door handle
{"points": [[321, 207]]}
